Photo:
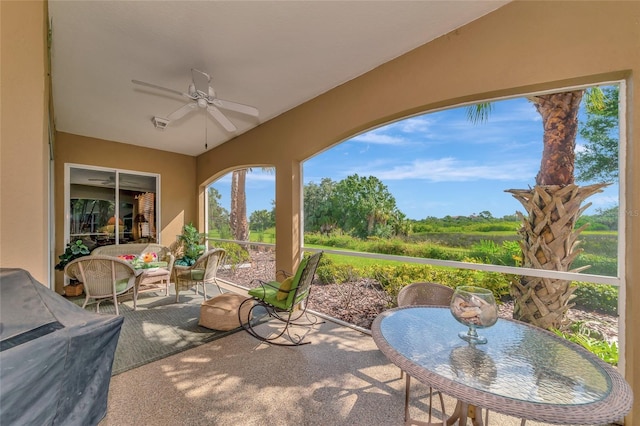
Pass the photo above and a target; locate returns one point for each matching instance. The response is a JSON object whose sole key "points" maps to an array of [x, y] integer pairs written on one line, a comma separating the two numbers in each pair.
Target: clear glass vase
{"points": [[476, 308]]}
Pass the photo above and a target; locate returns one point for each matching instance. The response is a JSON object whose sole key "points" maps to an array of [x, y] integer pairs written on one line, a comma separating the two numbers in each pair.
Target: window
{"points": [[110, 206], [444, 183]]}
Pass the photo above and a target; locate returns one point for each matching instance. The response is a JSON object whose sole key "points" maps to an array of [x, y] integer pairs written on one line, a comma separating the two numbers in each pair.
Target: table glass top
{"points": [[519, 361]]}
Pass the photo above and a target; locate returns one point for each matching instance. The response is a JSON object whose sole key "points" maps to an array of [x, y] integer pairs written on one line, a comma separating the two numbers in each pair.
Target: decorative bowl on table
{"points": [[476, 308]]}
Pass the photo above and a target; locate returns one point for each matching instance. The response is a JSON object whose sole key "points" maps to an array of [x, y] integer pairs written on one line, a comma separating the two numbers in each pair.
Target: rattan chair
{"points": [[431, 294], [286, 302], [204, 271], [103, 277]]}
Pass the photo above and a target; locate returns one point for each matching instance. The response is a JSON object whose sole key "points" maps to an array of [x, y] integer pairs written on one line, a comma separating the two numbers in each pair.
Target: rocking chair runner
{"points": [[284, 303]]}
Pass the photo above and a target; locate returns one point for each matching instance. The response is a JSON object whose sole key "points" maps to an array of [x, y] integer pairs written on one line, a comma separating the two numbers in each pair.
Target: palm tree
{"points": [[238, 214], [553, 205], [238, 211]]}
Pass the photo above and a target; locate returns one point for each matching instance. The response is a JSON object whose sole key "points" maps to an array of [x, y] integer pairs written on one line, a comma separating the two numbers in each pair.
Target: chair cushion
{"points": [[127, 257], [121, 285], [268, 293], [197, 274], [285, 286]]}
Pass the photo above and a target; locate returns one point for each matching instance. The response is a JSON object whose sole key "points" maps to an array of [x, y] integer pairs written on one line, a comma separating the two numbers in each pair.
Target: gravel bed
{"points": [[359, 302]]}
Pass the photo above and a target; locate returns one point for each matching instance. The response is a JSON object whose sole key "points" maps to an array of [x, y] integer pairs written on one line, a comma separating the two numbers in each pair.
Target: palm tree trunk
{"points": [[549, 242], [548, 237], [553, 205], [238, 214], [559, 113]]}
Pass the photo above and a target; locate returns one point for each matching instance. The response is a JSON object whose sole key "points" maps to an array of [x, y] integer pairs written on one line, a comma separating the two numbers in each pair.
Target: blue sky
{"points": [[435, 164]]}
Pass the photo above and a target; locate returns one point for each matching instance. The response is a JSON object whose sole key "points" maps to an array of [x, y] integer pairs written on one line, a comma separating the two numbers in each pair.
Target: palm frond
{"points": [[479, 113]]}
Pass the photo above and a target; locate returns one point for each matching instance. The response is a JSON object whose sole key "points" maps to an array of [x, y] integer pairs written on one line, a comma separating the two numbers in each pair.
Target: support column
{"points": [[288, 215]]}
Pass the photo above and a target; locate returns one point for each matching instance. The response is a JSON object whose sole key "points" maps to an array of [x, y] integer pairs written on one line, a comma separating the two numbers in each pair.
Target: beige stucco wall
{"points": [[178, 187], [520, 48], [24, 151]]}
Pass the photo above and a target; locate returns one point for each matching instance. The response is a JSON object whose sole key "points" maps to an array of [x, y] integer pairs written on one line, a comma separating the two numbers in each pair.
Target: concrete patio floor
{"points": [[341, 378]]}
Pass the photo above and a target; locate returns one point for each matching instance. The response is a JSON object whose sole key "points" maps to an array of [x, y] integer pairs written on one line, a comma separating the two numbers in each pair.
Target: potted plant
{"points": [[73, 250], [190, 245]]}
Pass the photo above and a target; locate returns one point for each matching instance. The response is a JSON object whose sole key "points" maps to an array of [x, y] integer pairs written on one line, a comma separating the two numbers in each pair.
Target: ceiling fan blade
{"points": [[200, 81], [234, 106], [142, 83], [224, 121], [182, 111]]}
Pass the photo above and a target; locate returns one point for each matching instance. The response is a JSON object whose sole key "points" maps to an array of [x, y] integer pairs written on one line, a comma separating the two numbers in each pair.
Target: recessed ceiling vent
{"points": [[160, 123]]}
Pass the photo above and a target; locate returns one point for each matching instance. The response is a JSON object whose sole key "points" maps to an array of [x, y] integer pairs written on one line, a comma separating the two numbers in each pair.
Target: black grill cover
{"points": [[55, 357]]}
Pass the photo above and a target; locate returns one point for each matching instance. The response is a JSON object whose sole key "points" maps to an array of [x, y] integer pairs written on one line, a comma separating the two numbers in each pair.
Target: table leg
{"points": [[464, 410]]}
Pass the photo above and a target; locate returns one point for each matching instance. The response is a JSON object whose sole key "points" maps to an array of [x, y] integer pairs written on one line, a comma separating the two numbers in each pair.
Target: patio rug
{"points": [[158, 328]]}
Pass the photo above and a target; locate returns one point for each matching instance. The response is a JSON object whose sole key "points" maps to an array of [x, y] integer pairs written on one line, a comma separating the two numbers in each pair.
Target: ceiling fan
{"points": [[203, 96], [111, 181]]}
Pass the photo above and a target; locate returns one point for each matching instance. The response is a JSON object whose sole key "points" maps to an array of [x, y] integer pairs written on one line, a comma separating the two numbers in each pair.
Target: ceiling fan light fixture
{"points": [[159, 123]]}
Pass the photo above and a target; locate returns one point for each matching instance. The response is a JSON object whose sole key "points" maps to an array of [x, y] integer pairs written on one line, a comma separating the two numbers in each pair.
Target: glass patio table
{"points": [[523, 370]]}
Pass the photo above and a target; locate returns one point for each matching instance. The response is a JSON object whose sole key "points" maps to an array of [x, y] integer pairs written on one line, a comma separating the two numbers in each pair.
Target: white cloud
{"points": [[379, 138], [580, 148], [421, 124], [261, 177], [603, 201], [452, 170]]}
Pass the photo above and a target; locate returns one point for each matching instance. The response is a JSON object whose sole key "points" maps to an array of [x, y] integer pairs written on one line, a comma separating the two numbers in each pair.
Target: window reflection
{"points": [[93, 197]]}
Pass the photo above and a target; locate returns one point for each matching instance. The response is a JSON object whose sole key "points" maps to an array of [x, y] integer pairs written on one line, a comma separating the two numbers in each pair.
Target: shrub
{"points": [[606, 351], [599, 265], [597, 297], [236, 254], [394, 247]]}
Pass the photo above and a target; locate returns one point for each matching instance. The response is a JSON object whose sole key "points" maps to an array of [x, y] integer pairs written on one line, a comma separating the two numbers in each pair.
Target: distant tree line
{"points": [[363, 207]]}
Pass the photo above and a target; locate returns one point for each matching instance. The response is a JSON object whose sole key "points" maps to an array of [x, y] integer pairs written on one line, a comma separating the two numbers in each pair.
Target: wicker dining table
{"points": [[523, 370]]}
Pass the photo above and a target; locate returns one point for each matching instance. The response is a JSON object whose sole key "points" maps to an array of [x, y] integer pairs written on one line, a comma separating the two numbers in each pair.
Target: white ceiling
{"points": [[273, 55]]}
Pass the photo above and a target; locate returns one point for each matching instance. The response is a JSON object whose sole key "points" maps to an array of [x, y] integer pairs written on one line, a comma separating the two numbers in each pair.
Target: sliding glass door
{"points": [[110, 206]]}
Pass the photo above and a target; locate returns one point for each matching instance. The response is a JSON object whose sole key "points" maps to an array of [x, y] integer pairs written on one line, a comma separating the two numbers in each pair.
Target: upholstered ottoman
{"points": [[221, 312]]}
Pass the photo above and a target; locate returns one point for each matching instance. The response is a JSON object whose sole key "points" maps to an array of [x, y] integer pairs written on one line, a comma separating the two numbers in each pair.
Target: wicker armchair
{"points": [[432, 294], [104, 277], [204, 272], [424, 293], [148, 280]]}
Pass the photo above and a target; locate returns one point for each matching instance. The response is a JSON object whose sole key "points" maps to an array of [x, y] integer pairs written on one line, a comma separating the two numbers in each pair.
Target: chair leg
{"points": [[135, 297], [407, 396], [115, 302], [215, 281], [407, 391]]}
